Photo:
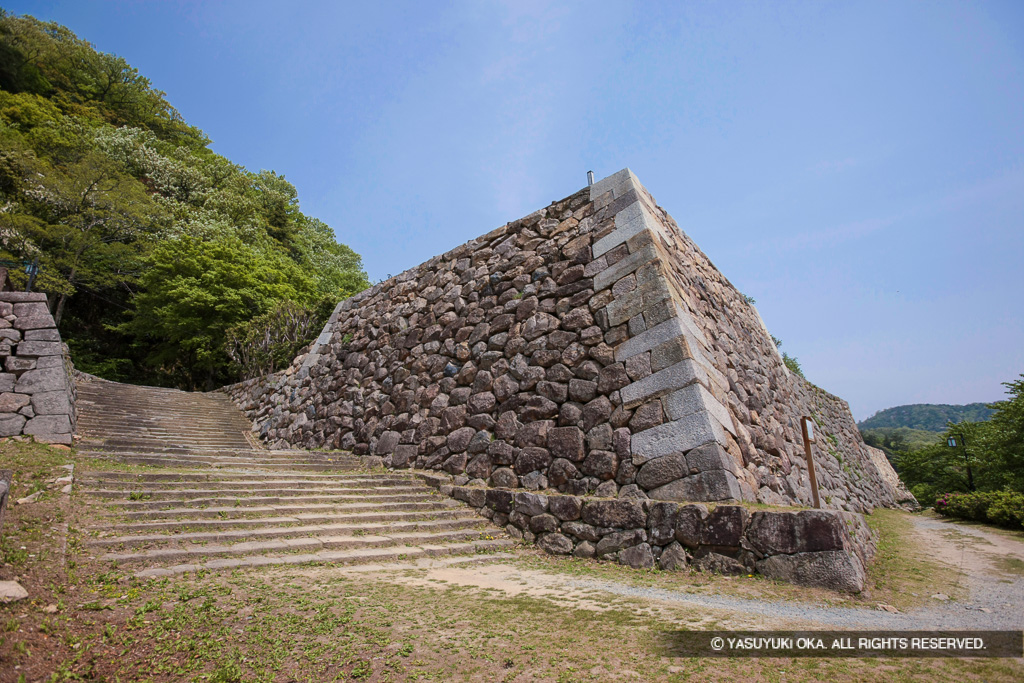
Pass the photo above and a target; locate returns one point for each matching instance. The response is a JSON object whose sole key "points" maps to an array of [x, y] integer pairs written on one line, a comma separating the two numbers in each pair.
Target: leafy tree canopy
{"points": [[151, 245]]}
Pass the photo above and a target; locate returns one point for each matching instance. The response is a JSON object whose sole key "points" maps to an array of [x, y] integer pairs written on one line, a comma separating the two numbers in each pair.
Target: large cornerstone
{"points": [[589, 348]]}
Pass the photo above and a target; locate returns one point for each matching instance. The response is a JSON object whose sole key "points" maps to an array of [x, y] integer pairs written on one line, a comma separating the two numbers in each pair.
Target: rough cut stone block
{"points": [[620, 514], [673, 558], [690, 524], [531, 503], [706, 486], [39, 348], [663, 382], [48, 424], [51, 335], [617, 184], [500, 500], [725, 526], [19, 364], [12, 403], [630, 221], [773, 533], [565, 508], [710, 456], [627, 305], [11, 425], [566, 442], [34, 322], [612, 274], [555, 544], [21, 297], [616, 541], [387, 443], [833, 569], [7, 381], [649, 339], [663, 470], [675, 437], [31, 309]]}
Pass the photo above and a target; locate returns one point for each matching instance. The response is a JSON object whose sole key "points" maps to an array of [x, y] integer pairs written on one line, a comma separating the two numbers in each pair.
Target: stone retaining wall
{"points": [[822, 548], [591, 348], [37, 390]]}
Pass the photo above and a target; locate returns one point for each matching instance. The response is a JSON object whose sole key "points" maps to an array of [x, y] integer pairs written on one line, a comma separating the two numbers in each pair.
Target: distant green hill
{"points": [[929, 417]]}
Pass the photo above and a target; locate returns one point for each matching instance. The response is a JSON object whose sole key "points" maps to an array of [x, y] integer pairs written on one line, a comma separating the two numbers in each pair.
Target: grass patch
{"points": [[902, 573]]}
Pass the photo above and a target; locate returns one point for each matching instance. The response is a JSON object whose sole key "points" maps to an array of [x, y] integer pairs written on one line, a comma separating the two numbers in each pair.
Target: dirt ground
{"points": [[521, 616]]}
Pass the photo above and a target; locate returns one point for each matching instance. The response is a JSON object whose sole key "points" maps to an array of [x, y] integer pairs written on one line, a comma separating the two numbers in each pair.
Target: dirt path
{"points": [[990, 564]]}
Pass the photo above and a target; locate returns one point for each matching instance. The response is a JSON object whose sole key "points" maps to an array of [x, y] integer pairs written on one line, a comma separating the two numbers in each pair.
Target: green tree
{"points": [[194, 290]]}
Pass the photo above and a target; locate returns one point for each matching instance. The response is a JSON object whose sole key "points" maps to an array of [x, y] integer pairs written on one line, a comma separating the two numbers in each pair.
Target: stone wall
{"points": [[589, 348], [822, 548], [37, 390]]}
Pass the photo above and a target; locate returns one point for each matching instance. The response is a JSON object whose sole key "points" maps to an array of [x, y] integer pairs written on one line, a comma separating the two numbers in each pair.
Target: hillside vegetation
{"points": [[928, 417], [981, 476], [164, 263]]}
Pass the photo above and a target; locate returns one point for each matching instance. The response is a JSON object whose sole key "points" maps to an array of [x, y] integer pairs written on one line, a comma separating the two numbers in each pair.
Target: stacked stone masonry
{"points": [[589, 348], [37, 391], [821, 548]]}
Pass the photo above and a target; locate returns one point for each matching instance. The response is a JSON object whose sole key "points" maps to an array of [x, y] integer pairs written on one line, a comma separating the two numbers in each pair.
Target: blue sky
{"points": [[857, 168]]}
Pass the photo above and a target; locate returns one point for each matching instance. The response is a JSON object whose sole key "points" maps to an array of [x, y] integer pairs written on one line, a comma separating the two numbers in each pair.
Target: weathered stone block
{"points": [[505, 478], [675, 437], [661, 471], [45, 425], [833, 569], [51, 335], [566, 442], [663, 382], [500, 500], [51, 403], [612, 274], [543, 523], [709, 486], [772, 533], [555, 544], [35, 322], [600, 464], [565, 508], [637, 557], [618, 540], [673, 558], [707, 561], [725, 526], [387, 443], [532, 459], [531, 503], [621, 514], [39, 381], [12, 403], [661, 522], [11, 425]]}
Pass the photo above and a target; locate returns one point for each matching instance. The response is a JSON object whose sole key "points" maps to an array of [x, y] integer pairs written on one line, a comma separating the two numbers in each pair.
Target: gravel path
{"points": [[995, 602]]}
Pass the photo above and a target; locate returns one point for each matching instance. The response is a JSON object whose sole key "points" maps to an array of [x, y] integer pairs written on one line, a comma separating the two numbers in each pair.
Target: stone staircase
{"points": [[221, 503]]}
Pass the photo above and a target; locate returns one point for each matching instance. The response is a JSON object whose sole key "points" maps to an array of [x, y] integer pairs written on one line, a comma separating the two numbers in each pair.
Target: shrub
{"points": [[1004, 508]]}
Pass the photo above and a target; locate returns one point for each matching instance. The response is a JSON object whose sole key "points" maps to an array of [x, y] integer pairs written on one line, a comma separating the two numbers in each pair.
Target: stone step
{"points": [[295, 510], [247, 492], [342, 557], [256, 501], [184, 462], [238, 535], [288, 545], [246, 523], [247, 478]]}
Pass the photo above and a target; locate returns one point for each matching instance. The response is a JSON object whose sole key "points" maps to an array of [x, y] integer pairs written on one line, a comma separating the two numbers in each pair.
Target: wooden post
{"points": [[807, 426]]}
